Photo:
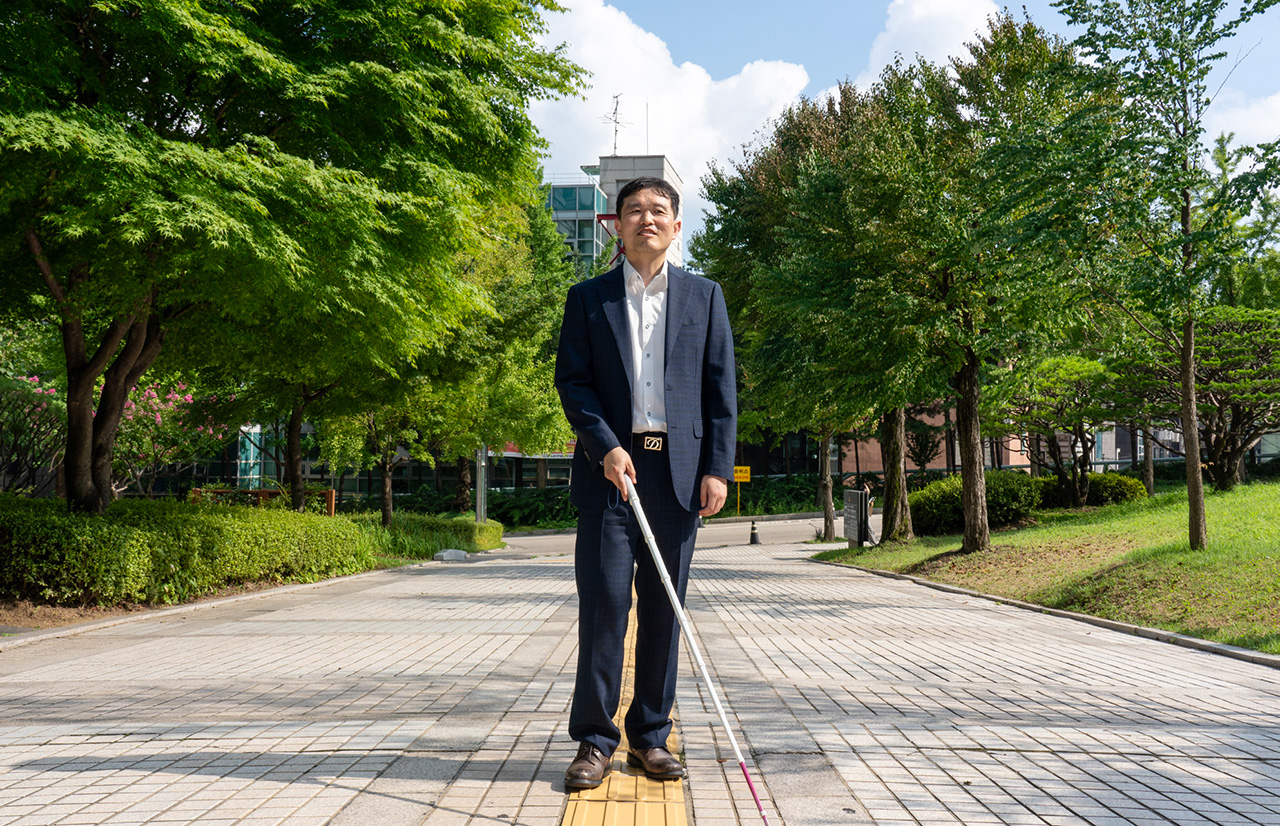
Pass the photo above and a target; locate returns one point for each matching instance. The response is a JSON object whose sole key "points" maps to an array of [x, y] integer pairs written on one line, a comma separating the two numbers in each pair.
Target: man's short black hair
{"points": [[664, 188]]}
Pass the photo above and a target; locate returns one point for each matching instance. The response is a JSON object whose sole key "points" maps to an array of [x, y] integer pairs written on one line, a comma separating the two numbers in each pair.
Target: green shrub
{"points": [[939, 508], [1114, 489], [1171, 470], [1011, 497], [419, 536], [1049, 493], [165, 551], [532, 507]]}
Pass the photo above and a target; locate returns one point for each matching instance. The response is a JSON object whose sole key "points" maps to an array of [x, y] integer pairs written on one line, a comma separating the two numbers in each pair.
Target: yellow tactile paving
{"points": [[627, 797]]}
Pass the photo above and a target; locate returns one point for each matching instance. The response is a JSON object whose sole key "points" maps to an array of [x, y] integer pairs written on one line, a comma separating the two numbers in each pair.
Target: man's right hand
{"points": [[617, 463]]}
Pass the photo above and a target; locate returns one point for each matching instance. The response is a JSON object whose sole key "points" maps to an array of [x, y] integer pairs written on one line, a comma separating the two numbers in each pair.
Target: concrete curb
{"points": [[1222, 649]]}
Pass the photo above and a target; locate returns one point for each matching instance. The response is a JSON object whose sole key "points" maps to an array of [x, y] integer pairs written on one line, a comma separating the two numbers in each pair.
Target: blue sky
{"points": [[701, 78]]}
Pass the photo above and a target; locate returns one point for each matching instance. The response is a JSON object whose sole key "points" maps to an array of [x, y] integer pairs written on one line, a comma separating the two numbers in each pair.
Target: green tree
{"points": [[1237, 383], [792, 378], [909, 204], [1063, 400], [491, 378], [1118, 198], [172, 165]]}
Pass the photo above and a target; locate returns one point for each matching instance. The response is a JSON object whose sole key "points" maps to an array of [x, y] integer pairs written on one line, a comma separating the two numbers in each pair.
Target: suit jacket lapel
{"points": [[677, 307], [613, 299]]}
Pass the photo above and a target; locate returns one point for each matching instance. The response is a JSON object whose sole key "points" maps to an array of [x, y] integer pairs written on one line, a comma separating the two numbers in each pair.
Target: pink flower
{"points": [[157, 418], [187, 398], [182, 386]]}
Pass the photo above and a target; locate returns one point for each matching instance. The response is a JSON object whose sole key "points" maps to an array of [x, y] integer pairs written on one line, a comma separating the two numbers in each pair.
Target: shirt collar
{"points": [[635, 282]]}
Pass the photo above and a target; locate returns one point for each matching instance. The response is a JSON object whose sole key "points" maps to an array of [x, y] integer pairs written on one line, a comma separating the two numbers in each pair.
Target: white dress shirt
{"points": [[647, 317]]}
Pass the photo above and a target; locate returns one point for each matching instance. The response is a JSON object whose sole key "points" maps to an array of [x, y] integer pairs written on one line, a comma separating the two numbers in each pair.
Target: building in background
{"points": [[584, 206]]}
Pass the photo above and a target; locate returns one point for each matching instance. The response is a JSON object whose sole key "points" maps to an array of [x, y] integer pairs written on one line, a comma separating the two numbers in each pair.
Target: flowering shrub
{"points": [[161, 433], [32, 431]]}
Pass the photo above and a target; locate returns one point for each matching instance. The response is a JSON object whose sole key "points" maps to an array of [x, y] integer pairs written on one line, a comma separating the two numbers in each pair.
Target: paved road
{"points": [[437, 695]]}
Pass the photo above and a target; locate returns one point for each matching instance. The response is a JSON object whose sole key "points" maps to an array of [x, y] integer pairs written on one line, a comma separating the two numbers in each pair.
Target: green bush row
{"points": [[939, 508], [420, 536], [1110, 488], [165, 551], [1012, 495]]}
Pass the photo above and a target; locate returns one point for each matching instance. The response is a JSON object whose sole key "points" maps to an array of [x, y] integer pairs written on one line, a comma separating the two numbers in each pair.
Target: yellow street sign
{"points": [[742, 473]]}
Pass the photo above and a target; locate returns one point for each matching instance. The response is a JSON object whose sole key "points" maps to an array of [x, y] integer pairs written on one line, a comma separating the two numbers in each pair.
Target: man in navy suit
{"points": [[646, 376]]}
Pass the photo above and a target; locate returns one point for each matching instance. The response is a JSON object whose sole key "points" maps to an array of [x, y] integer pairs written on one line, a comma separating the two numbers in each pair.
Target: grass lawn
{"points": [[1126, 562]]}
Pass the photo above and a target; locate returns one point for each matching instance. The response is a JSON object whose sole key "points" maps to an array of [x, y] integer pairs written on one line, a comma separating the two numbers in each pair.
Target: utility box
{"points": [[857, 518]]}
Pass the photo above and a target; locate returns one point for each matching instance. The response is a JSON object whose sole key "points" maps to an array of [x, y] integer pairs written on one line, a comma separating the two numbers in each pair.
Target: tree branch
{"points": [[46, 270]]}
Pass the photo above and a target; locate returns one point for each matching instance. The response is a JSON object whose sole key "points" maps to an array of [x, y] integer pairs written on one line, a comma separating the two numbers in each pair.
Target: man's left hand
{"points": [[715, 490]]}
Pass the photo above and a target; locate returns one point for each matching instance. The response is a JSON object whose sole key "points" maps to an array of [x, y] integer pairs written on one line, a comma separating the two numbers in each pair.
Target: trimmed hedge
{"points": [[165, 551], [1114, 489], [938, 509], [419, 536], [1110, 488]]}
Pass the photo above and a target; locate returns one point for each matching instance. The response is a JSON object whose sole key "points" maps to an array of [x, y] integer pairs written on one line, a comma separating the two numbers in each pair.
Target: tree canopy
{"points": [[178, 165]]}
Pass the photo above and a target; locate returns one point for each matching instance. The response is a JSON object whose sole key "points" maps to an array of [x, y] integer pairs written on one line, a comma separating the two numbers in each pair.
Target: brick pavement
{"points": [[437, 695]]}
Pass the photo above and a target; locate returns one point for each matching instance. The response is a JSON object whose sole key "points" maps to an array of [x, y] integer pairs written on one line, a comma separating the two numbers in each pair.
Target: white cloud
{"points": [[675, 110], [1253, 120], [933, 29]]}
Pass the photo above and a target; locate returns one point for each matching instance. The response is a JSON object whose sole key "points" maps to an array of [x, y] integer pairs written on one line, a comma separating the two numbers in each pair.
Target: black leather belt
{"points": [[648, 441]]}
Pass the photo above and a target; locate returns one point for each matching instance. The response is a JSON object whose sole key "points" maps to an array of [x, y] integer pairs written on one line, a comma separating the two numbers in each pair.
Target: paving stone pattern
{"points": [[438, 695]]}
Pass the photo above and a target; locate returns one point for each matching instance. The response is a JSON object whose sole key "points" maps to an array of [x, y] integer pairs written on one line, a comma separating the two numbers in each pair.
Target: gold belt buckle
{"points": [[653, 443]]}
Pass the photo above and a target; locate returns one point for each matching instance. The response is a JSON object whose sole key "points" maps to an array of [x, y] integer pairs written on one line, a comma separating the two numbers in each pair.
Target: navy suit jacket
{"points": [[593, 376]]}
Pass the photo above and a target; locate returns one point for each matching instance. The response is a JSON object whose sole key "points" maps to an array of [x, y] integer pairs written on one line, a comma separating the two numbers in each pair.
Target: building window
{"points": [[564, 198], [586, 199]]}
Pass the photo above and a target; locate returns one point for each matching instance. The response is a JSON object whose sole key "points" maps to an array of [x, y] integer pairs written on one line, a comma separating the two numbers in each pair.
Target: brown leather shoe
{"points": [[587, 769], [658, 763]]}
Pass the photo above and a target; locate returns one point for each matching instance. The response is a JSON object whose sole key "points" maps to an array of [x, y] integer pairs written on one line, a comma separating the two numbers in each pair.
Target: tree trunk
{"points": [[824, 487], [1148, 462], [126, 350], [1197, 527], [462, 497], [386, 466], [1133, 446], [896, 513], [977, 533], [293, 458], [1037, 467], [949, 438], [542, 474], [293, 445], [1084, 464]]}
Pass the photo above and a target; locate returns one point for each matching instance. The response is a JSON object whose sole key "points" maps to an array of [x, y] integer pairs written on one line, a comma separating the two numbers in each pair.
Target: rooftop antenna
{"points": [[616, 121]]}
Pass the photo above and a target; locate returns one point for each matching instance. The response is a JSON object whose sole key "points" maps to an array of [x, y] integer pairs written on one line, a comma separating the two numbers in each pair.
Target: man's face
{"points": [[646, 223]]}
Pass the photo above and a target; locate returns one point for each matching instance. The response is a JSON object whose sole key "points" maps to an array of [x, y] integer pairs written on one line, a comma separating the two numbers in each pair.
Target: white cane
{"points": [[687, 627]]}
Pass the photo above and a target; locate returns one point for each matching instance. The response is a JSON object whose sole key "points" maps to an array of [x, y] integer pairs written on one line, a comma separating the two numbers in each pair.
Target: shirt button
{"points": [[646, 384], [647, 355]]}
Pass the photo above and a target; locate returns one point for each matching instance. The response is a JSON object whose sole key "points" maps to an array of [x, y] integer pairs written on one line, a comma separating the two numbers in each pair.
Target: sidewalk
{"points": [[438, 695]]}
